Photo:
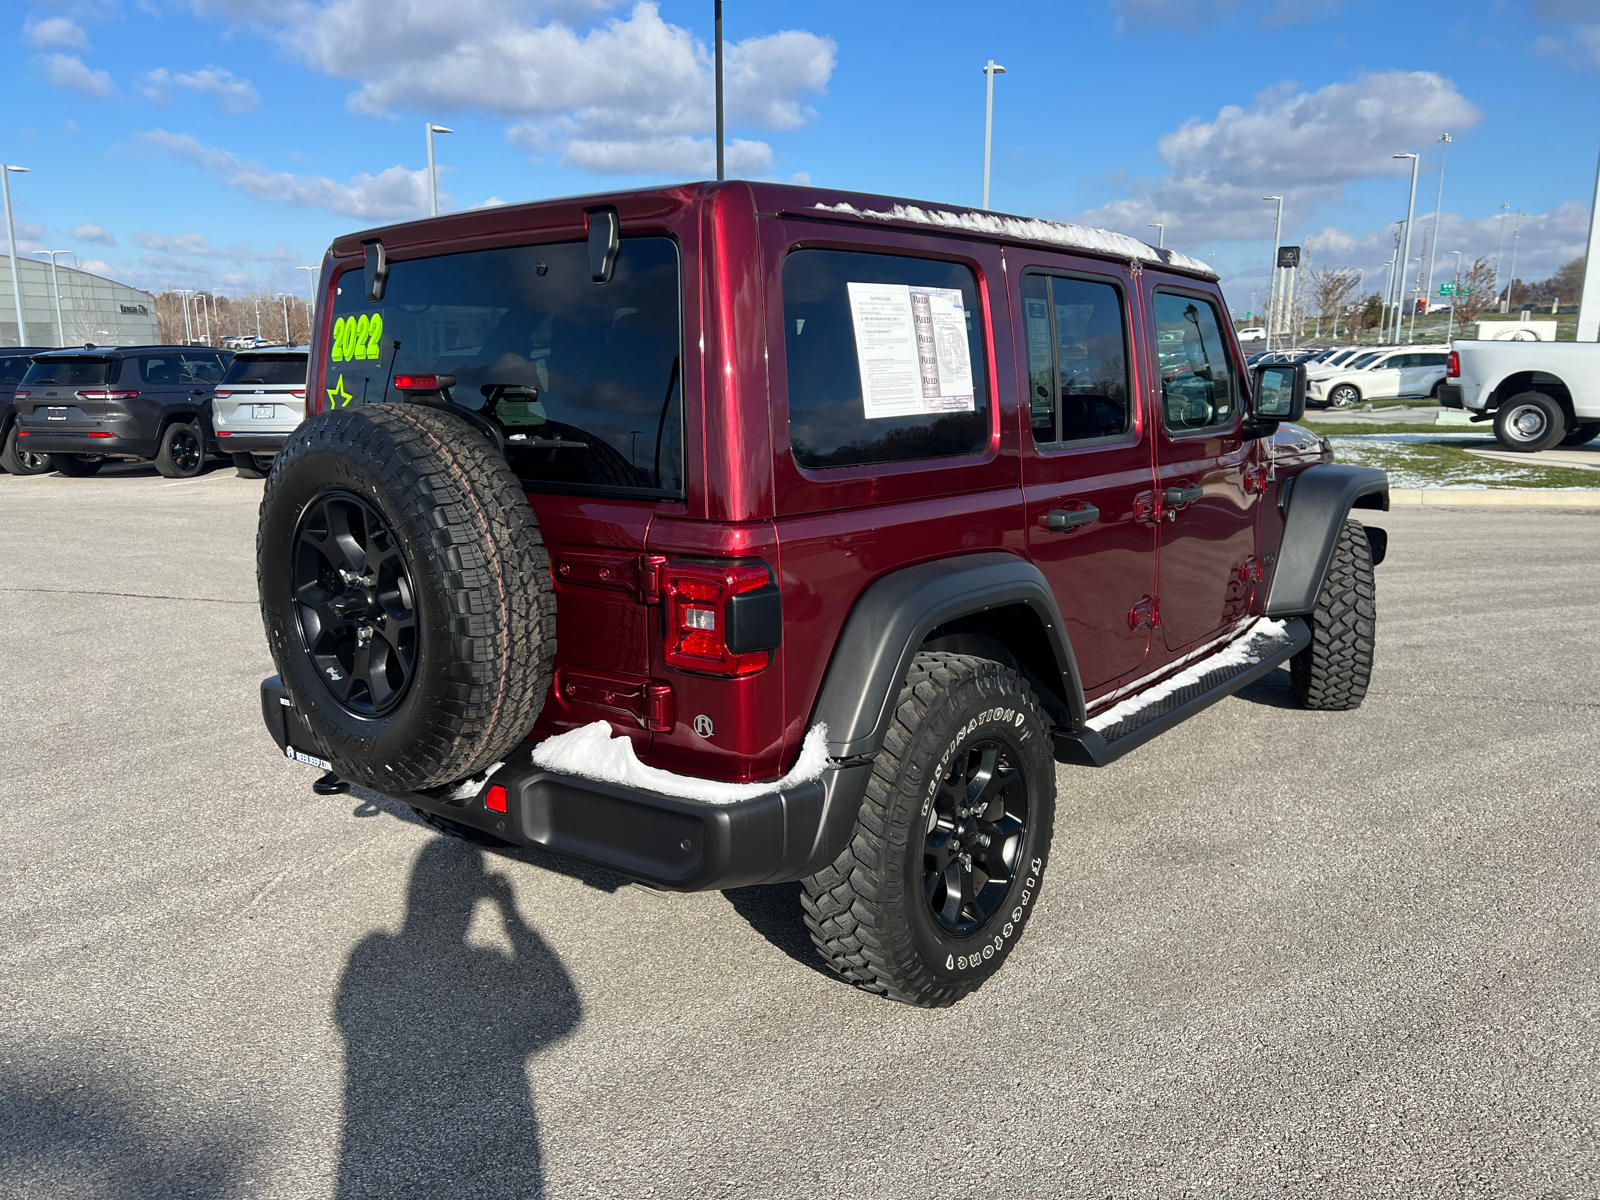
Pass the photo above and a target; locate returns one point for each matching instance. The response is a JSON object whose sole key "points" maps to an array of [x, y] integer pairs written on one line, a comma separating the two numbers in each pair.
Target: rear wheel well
{"points": [[1532, 381], [1015, 637]]}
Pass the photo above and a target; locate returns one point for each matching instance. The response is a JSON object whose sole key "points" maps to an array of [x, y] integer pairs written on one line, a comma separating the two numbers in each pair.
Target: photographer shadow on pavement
{"points": [[437, 1036]]}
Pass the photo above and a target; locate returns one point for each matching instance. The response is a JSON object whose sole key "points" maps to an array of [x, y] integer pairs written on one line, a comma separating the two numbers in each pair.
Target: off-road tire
{"points": [[482, 600], [1582, 434], [867, 911], [79, 466], [22, 462], [1530, 422], [1332, 673], [182, 454], [1344, 396], [456, 829]]}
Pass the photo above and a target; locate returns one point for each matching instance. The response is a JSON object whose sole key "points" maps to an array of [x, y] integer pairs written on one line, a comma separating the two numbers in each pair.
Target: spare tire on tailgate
{"points": [[406, 594]]}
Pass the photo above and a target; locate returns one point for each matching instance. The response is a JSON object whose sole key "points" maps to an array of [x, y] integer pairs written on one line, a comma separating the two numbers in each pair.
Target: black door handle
{"points": [[1188, 495], [1063, 519]]}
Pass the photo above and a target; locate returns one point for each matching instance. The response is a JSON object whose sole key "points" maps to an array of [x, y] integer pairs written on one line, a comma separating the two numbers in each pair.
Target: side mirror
{"points": [[605, 239], [377, 271], [1279, 392]]}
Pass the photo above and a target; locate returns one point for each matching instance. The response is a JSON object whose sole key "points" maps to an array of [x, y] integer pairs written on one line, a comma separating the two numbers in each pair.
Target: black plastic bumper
{"points": [[1450, 396], [667, 842], [249, 443]]}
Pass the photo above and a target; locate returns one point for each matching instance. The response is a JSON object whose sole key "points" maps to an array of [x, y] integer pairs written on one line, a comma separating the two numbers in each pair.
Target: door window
{"points": [[913, 327], [1197, 380], [179, 370], [1077, 359]]}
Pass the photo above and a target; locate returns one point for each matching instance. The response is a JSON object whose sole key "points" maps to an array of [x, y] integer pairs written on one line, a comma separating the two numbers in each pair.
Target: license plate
{"points": [[264, 412], [55, 414]]}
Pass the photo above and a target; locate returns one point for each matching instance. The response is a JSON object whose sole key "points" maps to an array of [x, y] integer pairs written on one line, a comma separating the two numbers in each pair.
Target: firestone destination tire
{"points": [[1332, 673], [951, 842], [406, 594]]}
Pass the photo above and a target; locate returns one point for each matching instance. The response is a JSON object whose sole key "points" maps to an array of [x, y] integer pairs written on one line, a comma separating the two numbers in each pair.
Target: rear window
{"points": [[584, 379], [13, 369], [267, 368], [69, 372], [910, 326], [179, 369]]}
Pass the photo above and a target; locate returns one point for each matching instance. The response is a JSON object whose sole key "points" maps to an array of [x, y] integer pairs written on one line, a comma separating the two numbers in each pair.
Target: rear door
{"points": [[67, 395], [1086, 459], [1208, 531], [1421, 373], [1381, 381]]}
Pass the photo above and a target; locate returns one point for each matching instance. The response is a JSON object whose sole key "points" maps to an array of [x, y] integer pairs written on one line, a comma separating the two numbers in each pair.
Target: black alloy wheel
{"points": [[187, 453], [356, 604], [976, 831]]}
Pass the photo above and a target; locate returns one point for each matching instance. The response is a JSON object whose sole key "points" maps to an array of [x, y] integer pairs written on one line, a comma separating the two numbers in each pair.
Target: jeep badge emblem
{"points": [[702, 725]]}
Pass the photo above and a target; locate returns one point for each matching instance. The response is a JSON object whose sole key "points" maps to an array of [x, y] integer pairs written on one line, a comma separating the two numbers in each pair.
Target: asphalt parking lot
{"points": [[1278, 953]]}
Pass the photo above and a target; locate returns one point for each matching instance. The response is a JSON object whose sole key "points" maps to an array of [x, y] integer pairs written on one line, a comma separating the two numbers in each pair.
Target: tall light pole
{"points": [[433, 172], [1516, 237], [1161, 234], [1450, 331], [256, 301], [311, 285], [1438, 209], [206, 313], [1410, 300], [990, 70], [1388, 291], [1500, 254], [717, 38], [283, 299], [1589, 298], [188, 333], [1411, 212], [11, 233], [1272, 291], [55, 288]]}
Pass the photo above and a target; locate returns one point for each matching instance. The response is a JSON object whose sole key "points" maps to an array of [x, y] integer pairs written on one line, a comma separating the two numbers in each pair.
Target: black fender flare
{"points": [[887, 625], [1318, 501]]}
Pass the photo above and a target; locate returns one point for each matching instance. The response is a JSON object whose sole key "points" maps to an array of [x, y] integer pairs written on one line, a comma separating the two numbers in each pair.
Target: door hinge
{"points": [[1255, 478], [1252, 570], [1145, 613], [1147, 507]]}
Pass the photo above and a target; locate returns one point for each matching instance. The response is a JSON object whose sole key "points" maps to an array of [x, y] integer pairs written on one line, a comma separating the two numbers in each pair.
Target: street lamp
{"points": [[1454, 299], [256, 302], [311, 286], [283, 299], [1500, 254], [716, 21], [1161, 236], [1411, 210], [433, 172], [55, 287], [990, 70], [1438, 209], [1272, 291], [11, 233], [1516, 237], [188, 334]]}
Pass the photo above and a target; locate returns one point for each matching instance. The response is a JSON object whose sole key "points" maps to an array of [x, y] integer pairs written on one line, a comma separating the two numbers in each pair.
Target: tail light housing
{"points": [[721, 619], [423, 383], [222, 394], [107, 395], [20, 395], [1452, 366]]}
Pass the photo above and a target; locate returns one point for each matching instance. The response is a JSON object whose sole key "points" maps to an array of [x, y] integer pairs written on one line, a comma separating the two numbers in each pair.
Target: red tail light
{"points": [[301, 392], [495, 801], [423, 383], [720, 620], [1452, 366], [96, 433], [20, 395], [107, 395], [222, 394]]}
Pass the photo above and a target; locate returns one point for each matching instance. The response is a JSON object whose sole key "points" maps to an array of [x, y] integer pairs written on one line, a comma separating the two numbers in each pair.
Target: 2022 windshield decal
{"points": [[355, 339]]}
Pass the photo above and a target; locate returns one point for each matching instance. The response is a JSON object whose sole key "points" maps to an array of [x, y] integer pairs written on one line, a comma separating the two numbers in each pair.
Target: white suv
{"points": [[257, 405], [1414, 371]]}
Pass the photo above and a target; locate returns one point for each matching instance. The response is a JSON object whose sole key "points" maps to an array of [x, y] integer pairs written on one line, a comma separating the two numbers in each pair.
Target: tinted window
{"points": [[940, 409], [1432, 360], [69, 372], [582, 378], [1197, 388], [179, 369], [1080, 390], [13, 369], [267, 368], [1361, 360]]}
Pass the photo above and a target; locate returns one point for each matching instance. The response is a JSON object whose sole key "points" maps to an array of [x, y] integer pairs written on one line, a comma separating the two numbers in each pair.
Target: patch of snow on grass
{"points": [[1246, 651], [593, 753], [1030, 229]]}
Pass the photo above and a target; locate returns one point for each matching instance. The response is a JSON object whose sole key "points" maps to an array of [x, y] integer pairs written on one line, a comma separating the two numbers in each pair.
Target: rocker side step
{"points": [[1095, 748]]}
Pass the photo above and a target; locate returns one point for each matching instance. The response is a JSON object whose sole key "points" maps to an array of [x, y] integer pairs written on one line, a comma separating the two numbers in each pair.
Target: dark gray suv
{"points": [[17, 460], [83, 407]]}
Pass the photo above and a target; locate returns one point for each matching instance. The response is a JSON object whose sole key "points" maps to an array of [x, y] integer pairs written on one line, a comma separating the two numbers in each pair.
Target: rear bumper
{"points": [[228, 442], [44, 441], [1450, 395], [664, 841]]}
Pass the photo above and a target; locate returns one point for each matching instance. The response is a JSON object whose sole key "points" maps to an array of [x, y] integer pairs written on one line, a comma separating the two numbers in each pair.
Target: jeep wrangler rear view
{"points": [[736, 533]]}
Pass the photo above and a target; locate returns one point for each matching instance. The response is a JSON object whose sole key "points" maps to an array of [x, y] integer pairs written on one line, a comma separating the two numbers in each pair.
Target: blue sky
{"points": [[221, 143]]}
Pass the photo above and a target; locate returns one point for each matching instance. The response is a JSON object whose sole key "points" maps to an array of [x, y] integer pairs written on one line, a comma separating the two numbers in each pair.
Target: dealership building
{"points": [[93, 308]]}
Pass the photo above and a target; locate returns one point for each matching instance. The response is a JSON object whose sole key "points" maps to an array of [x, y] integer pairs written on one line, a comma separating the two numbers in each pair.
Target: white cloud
{"points": [[94, 233], [1579, 48], [197, 245], [40, 32], [395, 192], [236, 95], [630, 90], [96, 266], [590, 149], [68, 70], [1306, 146], [30, 238]]}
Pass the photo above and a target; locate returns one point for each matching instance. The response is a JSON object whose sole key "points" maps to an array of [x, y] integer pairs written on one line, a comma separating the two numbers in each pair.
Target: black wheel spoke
{"points": [[974, 836]]}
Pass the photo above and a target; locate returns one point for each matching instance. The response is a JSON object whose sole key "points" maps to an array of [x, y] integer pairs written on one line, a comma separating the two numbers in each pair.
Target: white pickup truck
{"points": [[1539, 394]]}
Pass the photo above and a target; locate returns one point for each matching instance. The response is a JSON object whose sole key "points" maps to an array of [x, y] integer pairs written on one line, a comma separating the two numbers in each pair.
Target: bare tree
{"points": [[1475, 291], [1331, 288]]}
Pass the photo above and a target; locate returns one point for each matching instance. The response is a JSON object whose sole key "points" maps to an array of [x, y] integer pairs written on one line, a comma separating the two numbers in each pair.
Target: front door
{"points": [[1208, 526], [1087, 478]]}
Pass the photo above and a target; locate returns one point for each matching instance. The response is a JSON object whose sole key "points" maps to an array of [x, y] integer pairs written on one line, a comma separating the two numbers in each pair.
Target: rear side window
{"points": [[1197, 383], [1432, 360], [267, 368], [885, 358], [179, 370], [69, 372], [1077, 359], [583, 379], [13, 369]]}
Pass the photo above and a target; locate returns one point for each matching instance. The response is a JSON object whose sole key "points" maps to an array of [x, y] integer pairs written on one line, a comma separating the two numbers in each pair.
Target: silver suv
{"points": [[257, 405]]}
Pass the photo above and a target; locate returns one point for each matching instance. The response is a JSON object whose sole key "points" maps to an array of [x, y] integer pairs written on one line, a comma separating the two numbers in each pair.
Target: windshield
{"points": [[583, 380], [1362, 361], [267, 368], [69, 372]]}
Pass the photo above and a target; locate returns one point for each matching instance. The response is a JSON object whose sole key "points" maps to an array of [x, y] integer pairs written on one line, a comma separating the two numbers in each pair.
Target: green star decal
{"points": [[337, 396]]}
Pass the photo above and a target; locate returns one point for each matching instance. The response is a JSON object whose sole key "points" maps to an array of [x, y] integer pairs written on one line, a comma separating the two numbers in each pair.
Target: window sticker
{"points": [[337, 396], [355, 338], [911, 348]]}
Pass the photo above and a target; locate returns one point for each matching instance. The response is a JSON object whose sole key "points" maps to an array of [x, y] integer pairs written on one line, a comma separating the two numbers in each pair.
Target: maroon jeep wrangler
{"points": [[848, 519]]}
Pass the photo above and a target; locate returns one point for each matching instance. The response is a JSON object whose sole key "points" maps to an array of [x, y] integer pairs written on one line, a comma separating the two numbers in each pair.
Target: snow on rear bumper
{"points": [[667, 842]]}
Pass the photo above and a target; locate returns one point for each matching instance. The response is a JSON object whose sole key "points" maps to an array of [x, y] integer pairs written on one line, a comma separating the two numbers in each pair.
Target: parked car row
{"points": [[74, 410], [1344, 376]]}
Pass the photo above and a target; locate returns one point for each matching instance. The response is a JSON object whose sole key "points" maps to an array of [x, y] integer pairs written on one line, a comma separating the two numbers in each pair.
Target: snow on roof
{"points": [[1030, 229]]}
